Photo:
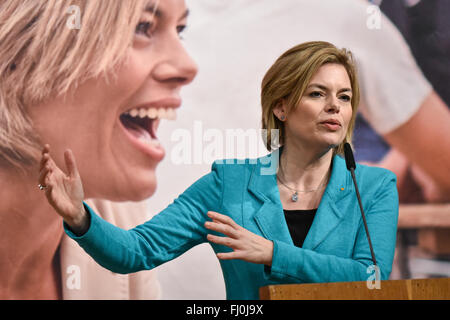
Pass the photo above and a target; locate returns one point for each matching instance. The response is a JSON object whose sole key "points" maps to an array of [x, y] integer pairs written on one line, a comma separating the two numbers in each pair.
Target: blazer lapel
{"points": [[331, 208], [270, 216], [263, 185]]}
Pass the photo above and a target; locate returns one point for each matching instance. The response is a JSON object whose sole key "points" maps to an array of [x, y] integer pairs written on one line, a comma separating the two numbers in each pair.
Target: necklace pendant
{"points": [[295, 197]]}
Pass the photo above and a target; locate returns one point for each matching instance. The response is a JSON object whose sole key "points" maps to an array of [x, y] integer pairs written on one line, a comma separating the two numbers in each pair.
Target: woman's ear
{"points": [[280, 110]]}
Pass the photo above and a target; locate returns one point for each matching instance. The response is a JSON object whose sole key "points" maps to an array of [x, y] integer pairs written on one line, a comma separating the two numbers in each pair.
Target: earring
{"points": [[282, 118]]}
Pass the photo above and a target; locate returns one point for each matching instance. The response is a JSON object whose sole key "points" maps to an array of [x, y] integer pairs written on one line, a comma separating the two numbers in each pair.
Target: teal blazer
{"points": [[335, 249]]}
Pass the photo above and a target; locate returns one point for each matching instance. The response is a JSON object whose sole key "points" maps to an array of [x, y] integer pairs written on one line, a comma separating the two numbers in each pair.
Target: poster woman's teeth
{"points": [[153, 113]]}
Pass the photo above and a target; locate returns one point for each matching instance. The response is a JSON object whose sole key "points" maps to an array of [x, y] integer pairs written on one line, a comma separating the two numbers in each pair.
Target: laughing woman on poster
{"points": [[299, 223], [78, 86]]}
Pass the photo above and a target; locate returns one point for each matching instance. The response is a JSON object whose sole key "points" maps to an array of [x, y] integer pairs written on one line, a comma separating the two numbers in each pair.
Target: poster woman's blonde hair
{"points": [[42, 57]]}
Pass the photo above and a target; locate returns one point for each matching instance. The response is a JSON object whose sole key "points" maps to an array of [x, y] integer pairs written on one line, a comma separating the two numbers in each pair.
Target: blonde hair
{"points": [[289, 77], [41, 57]]}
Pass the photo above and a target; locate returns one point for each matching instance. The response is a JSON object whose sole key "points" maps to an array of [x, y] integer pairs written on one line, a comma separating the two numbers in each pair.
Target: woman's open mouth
{"points": [[140, 126]]}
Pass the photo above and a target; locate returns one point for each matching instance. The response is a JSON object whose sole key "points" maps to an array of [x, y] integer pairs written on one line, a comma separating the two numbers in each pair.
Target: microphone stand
{"points": [[351, 166]]}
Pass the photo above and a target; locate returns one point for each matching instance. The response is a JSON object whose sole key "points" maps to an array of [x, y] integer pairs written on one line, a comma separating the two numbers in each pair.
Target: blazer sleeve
{"points": [[167, 235], [293, 264]]}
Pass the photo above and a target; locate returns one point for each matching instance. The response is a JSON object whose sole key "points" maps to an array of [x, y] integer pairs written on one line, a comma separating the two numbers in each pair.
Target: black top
{"points": [[299, 222]]}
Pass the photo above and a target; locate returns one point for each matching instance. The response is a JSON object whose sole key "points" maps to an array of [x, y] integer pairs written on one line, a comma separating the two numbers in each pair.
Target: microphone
{"points": [[351, 166]]}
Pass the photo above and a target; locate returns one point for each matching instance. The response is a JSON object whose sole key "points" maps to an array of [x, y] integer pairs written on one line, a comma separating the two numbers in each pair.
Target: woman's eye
{"points": [[180, 30], [315, 94], [345, 98], [144, 28]]}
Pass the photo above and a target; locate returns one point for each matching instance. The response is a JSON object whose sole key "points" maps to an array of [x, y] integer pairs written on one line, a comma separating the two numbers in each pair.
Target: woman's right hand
{"points": [[64, 191]]}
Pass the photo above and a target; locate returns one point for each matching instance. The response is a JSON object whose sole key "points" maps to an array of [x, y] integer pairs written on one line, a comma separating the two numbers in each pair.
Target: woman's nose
{"points": [[333, 105], [176, 65]]}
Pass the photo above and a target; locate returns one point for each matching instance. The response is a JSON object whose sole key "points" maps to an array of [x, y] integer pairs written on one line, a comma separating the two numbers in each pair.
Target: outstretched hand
{"points": [[64, 191]]}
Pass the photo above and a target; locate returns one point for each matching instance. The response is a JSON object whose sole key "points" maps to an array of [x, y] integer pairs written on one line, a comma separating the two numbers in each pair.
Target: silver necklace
{"points": [[295, 194]]}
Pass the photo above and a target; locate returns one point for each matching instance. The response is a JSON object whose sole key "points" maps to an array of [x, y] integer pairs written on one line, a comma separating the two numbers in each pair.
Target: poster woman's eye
{"points": [[180, 30], [145, 28]]}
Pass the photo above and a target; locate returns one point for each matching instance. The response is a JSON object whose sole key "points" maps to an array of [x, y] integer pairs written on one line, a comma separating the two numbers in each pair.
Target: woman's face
{"points": [[327, 98], [112, 126]]}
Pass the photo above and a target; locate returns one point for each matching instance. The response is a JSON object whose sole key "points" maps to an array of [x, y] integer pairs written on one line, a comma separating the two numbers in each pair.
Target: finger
{"points": [[46, 149], [228, 255], [222, 218], [48, 192], [44, 159], [45, 154], [44, 173], [47, 179], [51, 197], [222, 228], [71, 164], [48, 162], [226, 241]]}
